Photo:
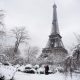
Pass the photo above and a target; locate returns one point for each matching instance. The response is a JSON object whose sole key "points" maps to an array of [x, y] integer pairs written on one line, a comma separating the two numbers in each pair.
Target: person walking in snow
{"points": [[46, 69]]}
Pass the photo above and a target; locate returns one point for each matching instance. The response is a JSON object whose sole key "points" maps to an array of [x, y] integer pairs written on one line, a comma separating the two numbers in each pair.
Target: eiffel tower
{"points": [[54, 52]]}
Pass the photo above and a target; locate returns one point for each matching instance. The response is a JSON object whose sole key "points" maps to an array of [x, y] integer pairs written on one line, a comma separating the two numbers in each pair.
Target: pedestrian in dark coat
{"points": [[46, 69]]}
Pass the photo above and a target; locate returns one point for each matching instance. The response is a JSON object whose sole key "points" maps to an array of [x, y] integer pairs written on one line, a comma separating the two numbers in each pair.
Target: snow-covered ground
{"points": [[9, 71], [56, 76]]}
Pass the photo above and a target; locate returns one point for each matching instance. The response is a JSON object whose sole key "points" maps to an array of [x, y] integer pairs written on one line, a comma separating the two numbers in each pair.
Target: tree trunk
{"points": [[16, 47]]}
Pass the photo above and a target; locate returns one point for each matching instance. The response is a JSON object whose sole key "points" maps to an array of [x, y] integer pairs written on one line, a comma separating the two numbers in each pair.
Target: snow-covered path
{"points": [[56, 76]]}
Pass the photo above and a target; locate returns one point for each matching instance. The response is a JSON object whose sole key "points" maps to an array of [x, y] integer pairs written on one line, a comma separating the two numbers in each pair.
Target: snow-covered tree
{"points": [[76, 52], [21, 36], [31, 54]]}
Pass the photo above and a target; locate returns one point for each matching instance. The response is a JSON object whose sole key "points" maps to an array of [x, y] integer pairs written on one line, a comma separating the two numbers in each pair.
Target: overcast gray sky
{"points": [[36, 15]]}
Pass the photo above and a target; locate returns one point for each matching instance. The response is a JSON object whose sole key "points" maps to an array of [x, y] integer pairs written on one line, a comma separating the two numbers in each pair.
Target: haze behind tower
{"points": [[36, 15]]}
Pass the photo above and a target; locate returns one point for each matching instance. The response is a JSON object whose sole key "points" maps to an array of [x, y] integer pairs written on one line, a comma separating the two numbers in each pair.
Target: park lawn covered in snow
{"points": [[56, 76], [9, 71]]}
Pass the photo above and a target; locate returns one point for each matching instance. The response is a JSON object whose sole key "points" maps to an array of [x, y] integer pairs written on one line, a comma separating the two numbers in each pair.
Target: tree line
{"points": [[19, 36]]}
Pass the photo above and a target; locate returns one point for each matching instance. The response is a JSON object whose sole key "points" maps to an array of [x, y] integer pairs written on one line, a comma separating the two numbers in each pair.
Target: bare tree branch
{"points": [[21, 36]]}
